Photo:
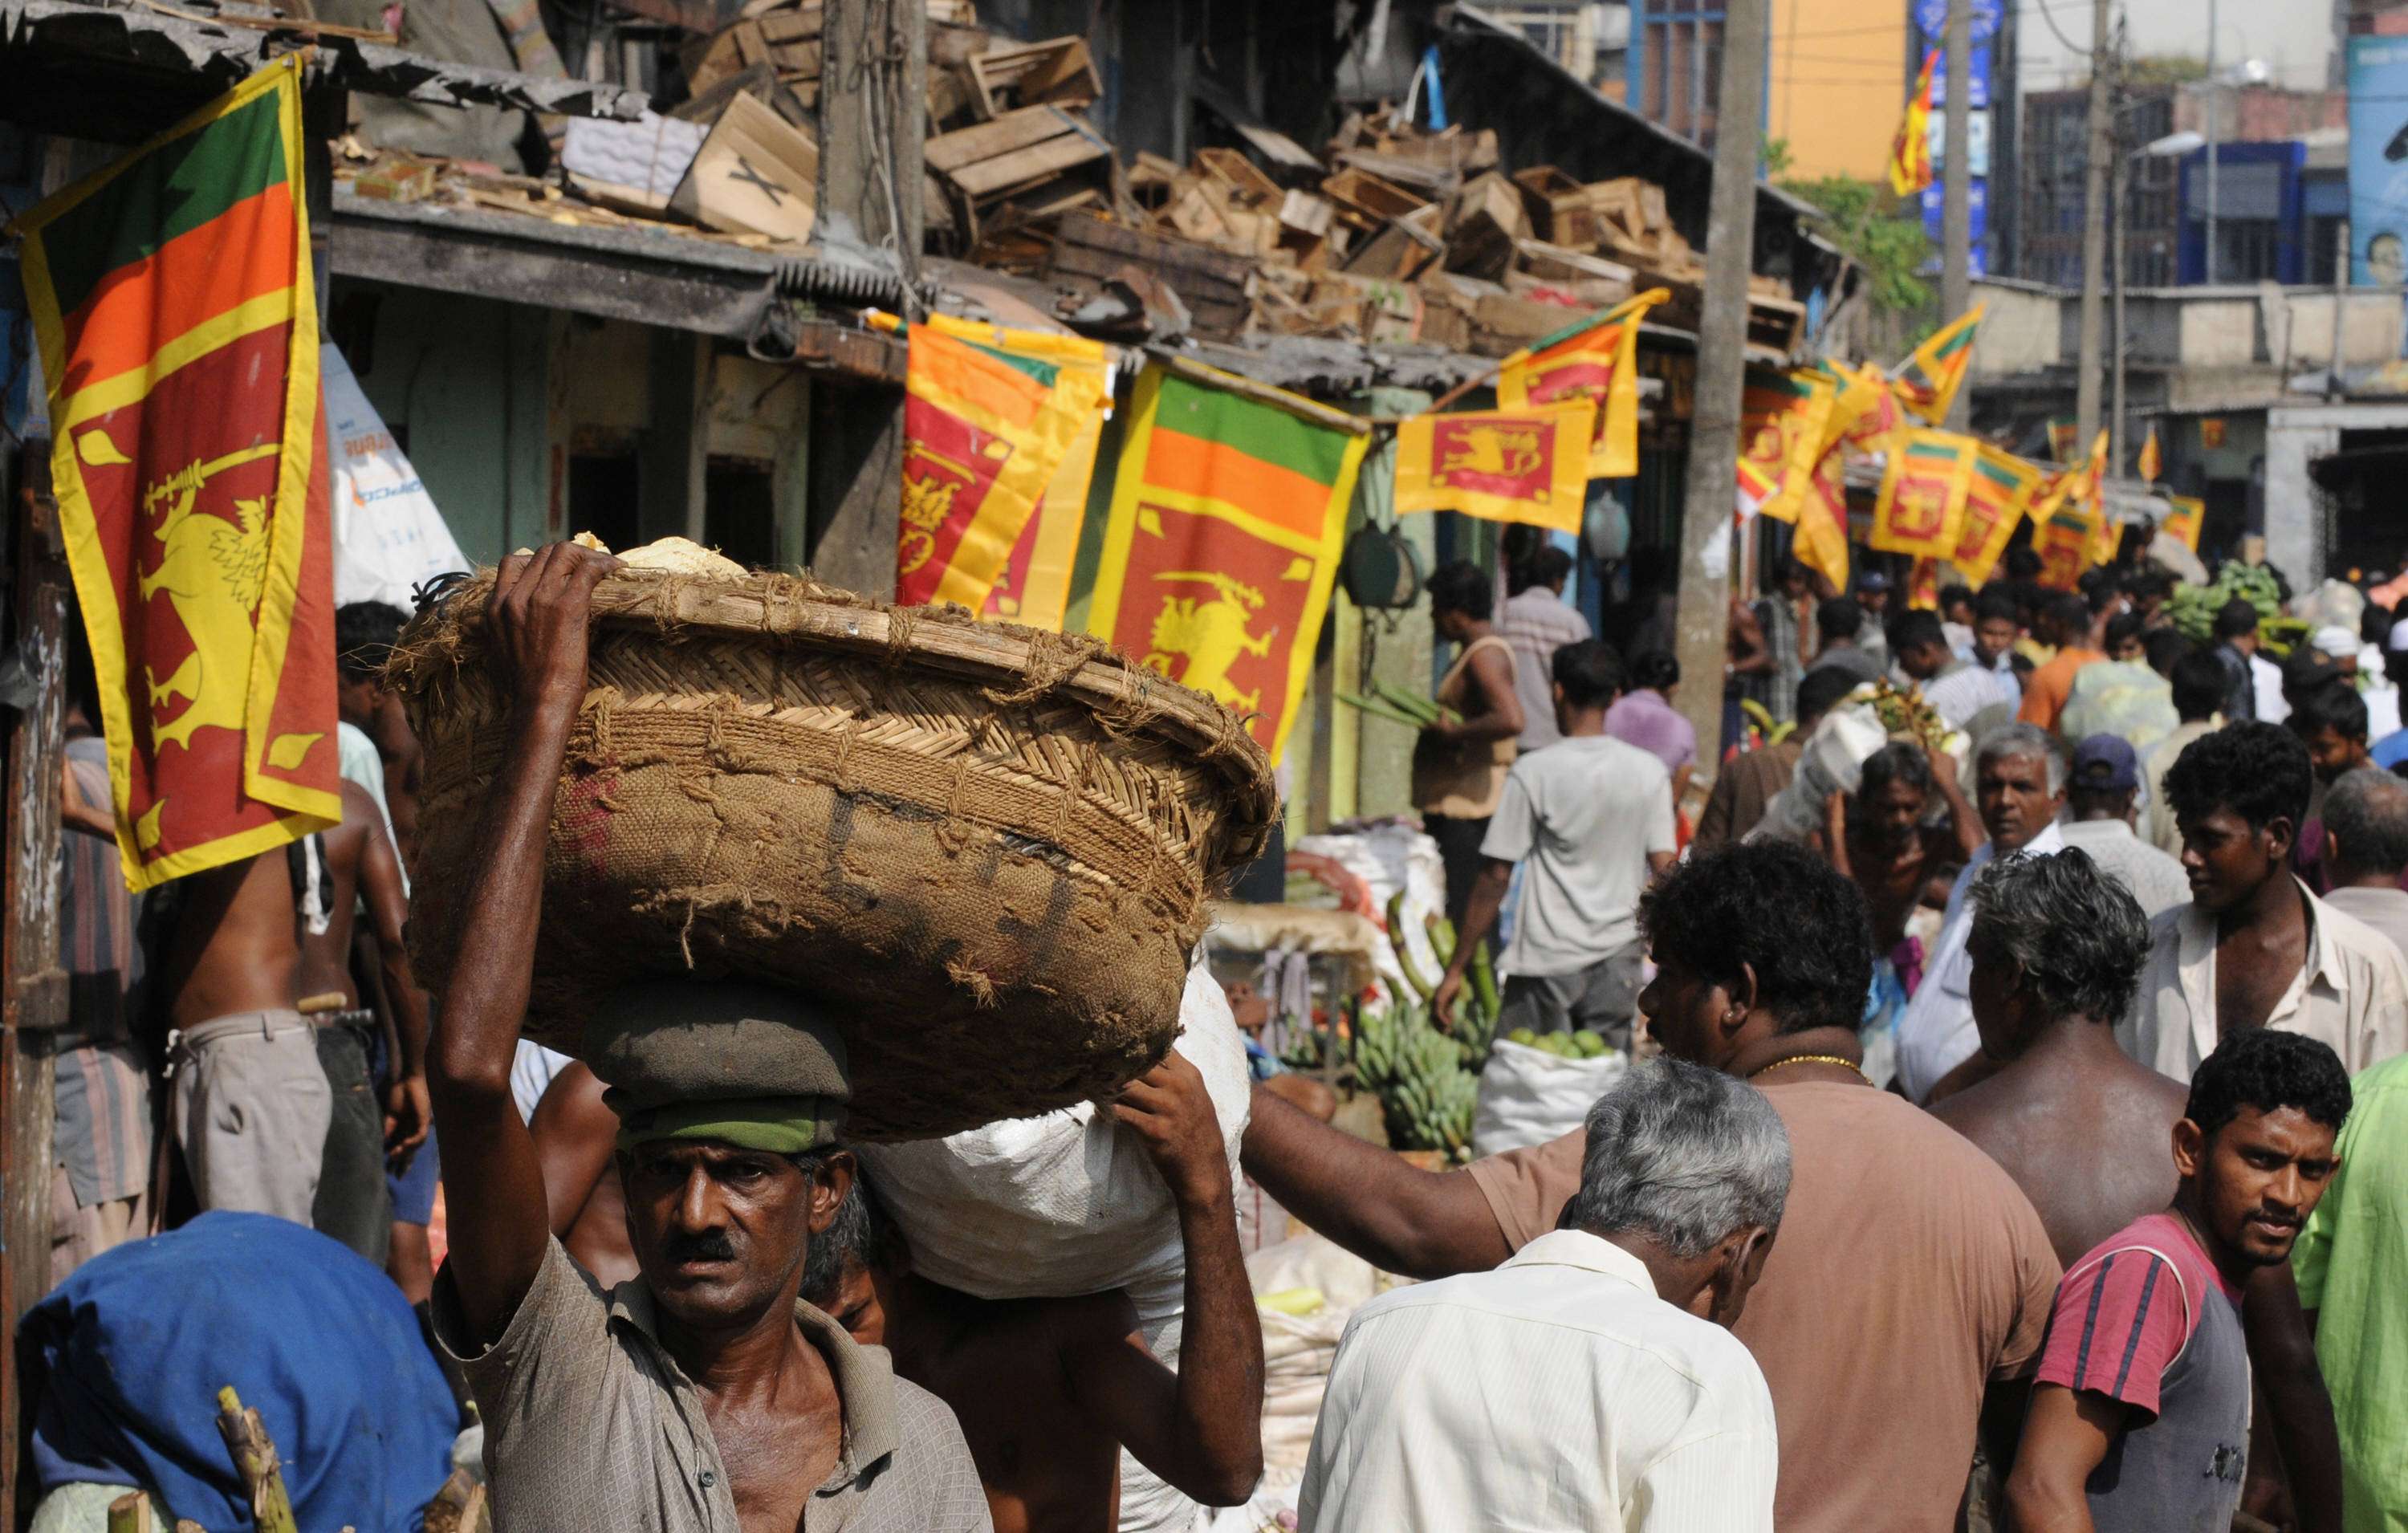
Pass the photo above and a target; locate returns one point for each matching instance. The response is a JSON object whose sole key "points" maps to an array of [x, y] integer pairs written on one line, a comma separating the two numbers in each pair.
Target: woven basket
{"points": [[989, 846]]}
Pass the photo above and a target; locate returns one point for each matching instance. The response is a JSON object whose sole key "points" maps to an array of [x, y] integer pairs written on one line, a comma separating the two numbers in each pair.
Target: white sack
{"points": [[1528, 1097], [389, 538]]}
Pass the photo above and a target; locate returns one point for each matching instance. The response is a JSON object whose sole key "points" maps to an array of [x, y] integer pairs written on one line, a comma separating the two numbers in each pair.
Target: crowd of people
{"points": [[2004, 1144]]}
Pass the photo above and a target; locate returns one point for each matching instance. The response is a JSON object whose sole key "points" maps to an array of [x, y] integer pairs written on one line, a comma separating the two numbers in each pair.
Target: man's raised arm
{"points": [[492, 1185]]}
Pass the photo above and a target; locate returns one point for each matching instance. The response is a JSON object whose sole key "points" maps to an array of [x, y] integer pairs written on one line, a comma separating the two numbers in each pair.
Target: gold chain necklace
{"points": [[1814, 1059]]}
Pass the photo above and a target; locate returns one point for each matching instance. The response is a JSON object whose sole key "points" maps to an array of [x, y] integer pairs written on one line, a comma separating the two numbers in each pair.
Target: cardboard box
{"points": [[633, 166], [755, 174]]}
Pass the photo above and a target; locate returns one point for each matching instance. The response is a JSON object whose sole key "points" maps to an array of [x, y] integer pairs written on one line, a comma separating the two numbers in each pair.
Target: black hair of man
{"points": [[1897, 762], [2023, 564], [2374, 626], [1914, 629], [2199, 686], [1996, 602], [1776, 910], [1951, 595], [2164, 649], [2075, 935], [2123, 626], [1550, 566], [2335, 706], [1462, 586], [1589, 672], [1787, 569], [365, 634], [2366, 813], [1838, 617], [1655, 669], [2259, 770], [1820, 693], [2235, 619], [2268, 1070], [2071, 614], [2098, 588]]}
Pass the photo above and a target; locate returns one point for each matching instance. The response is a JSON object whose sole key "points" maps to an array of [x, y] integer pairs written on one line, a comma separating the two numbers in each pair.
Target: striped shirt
{"points": [[1536, 622], [1965, 689], [103, 1130], [1557, 1391]]}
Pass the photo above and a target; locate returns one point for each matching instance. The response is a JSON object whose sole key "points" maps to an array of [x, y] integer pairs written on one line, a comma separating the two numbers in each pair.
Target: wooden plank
{"points": [[1013, 130], [1138, 245], [1039, 161], [1058, 71]]}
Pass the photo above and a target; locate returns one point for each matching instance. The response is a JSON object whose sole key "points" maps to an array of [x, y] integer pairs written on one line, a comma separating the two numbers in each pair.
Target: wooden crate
{"points": [[1365, 201], [1775, 326], [1482, 226], [1088, 252], [1247, 184], [1559, 206], [1552, 262], [1057, 72], [1017, 151], [1401, 252]]}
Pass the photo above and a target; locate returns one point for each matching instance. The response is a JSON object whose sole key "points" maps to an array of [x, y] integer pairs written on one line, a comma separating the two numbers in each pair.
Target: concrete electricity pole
{"points": [[1713, 494], [1956, 188], [2094, 237]]}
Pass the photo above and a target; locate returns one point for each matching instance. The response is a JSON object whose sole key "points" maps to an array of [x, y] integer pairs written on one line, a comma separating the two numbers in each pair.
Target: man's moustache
{"points": [[709, 1246]]}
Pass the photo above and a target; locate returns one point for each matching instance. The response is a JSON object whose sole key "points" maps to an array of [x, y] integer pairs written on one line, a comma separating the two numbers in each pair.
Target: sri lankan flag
{"points": [[2184, 519], [1997, 496], [1528, 465], [2153, 459], [173, 300], [1928, 380], [1592, 358], [1226, 520], [984, 429], [1910, 152], [1783, 420], [2069, 525], [1921, 510], [1034, 584]]}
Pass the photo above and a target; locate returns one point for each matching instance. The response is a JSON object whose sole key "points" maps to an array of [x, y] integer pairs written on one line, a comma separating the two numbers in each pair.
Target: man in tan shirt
{"points": [[1910, 1273], [704, 1395]]}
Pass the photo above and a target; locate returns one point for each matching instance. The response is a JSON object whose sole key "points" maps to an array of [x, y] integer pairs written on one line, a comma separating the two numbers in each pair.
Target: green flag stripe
{"points": [[1236, 424], [1044, 372], [175, 189]]}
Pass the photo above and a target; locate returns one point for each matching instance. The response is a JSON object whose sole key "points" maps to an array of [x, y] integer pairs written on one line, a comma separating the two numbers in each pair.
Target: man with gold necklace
{"points": [[1909, 1271]]}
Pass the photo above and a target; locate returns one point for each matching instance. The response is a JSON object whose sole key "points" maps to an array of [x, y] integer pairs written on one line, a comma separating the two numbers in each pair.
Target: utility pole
{"points": [[2119, 423], [1713, 494], [1956, 189], [873, 94], [2094, 237], [2213, 92]]}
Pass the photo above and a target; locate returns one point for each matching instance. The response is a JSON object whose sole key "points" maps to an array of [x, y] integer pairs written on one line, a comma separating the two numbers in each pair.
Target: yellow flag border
{"points": [[307, 809], [2030, 478]]}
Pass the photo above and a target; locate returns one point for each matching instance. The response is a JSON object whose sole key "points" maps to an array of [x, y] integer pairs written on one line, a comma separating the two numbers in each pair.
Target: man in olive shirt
{"points": [[704, 1395], [1909, 1271]]}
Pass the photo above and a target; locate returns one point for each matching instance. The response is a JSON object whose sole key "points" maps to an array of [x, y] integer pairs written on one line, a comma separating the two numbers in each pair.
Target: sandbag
{"points": [[1069, 1203], [1833, 762], [1528, 1097]]}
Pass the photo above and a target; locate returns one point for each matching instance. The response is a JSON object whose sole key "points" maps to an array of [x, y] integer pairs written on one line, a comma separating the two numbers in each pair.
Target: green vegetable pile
{"points": [[1397, 706], [1584, 1045], [2193, 608]]}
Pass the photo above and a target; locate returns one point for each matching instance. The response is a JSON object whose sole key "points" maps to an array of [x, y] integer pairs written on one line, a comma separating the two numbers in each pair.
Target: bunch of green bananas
{"points": [[1583, 1044], [1477, 1008], [2193, 608], [1417, 1072]]}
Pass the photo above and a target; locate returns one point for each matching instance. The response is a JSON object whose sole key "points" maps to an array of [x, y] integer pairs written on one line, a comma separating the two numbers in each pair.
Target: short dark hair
{"points": [[1589, 672], [2235, 618], [2165, 649], [860, 1235], [2366, 810], [1549, 565], [2335, 706], [1996, 602], [1951, 594], [1838, 617], [1822, 690], [2124, 625], [2024, 564], [2075, 935], [1655, 669], [2068, 611], [1914, 629], [365, 635], [2260, 771], [2268, 1070], [2199, 684], [1461, 586], [1897, 762], [1776, 908]]}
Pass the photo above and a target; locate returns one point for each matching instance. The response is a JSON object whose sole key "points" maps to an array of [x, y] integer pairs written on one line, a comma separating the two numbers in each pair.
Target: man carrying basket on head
{"points": [[703, 1395]]}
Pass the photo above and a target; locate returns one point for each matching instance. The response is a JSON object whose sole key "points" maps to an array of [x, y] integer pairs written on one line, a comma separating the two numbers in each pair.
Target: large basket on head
{"points": [[988, 847]]}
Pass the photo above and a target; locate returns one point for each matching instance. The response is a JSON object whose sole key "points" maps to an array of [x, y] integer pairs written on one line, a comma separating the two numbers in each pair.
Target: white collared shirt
{"points": [[1556, 1392], [2352, 994], [1937, 1034]]}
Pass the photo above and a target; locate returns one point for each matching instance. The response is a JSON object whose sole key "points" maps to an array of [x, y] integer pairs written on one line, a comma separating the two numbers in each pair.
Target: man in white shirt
{"points": [[1537, 622], [2099, 796], [2019, 786], [1591, 818], [2254, 948], [2366, 850], [1574, 1387]]}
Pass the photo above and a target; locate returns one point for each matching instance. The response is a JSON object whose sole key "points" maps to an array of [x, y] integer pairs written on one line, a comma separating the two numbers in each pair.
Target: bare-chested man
{"points": [[1879, 838], [353, 1204], [251, 1103], [2056, 946], [1083, 1382]]}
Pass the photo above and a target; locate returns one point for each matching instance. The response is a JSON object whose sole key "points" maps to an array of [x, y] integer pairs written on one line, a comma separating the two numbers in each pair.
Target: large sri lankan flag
{"points": [[1227, 516], [1928, 380], [1782, 434], [1593, 358], [984, 430], [1526, 465], [177, 320], [1923, 491], [1997, 496]]}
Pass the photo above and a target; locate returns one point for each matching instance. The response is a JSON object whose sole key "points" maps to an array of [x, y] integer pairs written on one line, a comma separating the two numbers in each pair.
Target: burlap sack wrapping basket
{"points": [[990, 845]]}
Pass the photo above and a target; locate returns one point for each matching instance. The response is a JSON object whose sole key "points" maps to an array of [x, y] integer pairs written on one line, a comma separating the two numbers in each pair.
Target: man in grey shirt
{"points": [[703, 1397], [1592, 817], [2101, 790], [2366, 850], [1839, 622]]}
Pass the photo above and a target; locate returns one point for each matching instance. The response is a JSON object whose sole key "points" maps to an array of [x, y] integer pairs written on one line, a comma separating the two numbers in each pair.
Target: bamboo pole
{"points": [[256, 1461], [130, 1514]]}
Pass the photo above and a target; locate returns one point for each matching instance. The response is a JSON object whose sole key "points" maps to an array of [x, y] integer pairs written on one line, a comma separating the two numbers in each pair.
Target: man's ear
{"points": [[2282, 833], [1744, 990], [2333, 856], [830, 1186], [2190, 1149], [1738, 1260]]}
